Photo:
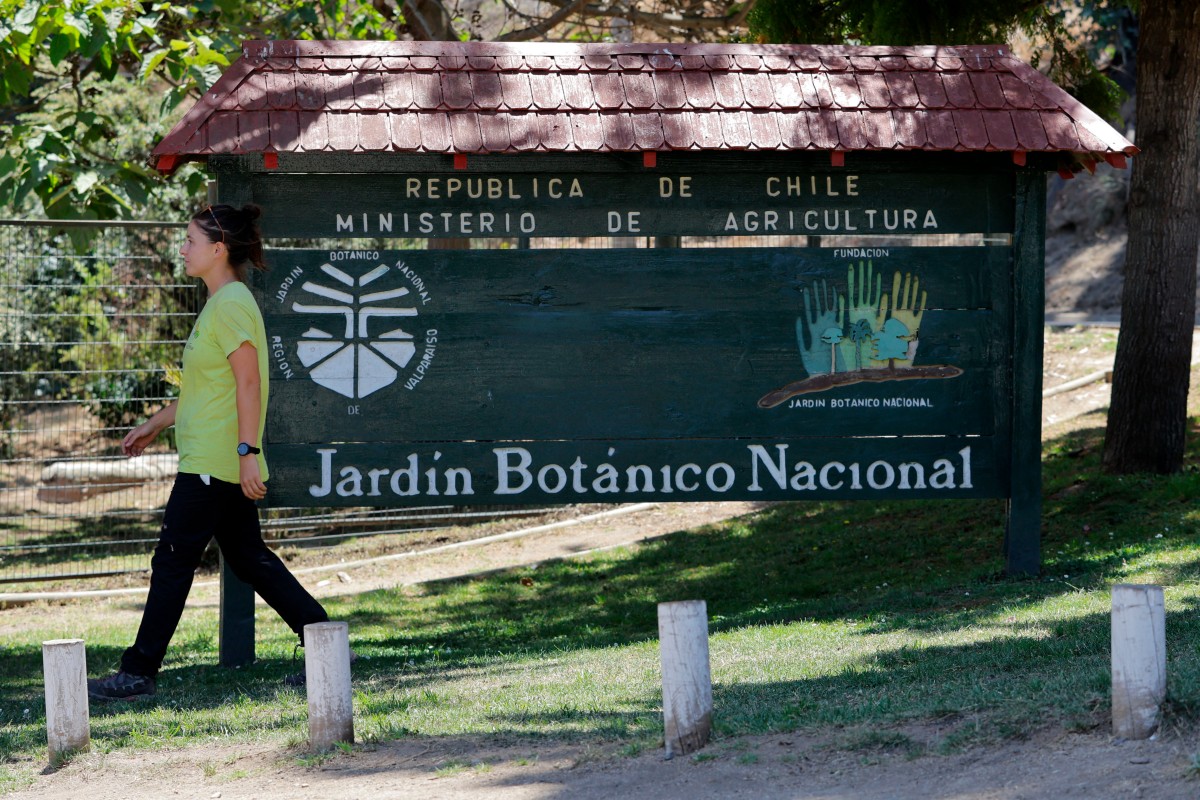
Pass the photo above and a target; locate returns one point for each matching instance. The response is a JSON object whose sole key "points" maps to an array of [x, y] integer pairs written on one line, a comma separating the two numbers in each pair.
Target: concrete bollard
{"points": [[687, 681], [1139, 659], [327, 673], [68, 725]]}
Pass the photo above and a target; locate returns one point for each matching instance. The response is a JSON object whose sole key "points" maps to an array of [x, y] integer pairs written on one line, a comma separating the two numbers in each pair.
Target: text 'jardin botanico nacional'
{"points": [[483, 376]]}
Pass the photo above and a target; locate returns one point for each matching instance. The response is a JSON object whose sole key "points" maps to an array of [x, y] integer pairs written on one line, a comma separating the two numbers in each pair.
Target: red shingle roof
{"points": [[491, 97]]}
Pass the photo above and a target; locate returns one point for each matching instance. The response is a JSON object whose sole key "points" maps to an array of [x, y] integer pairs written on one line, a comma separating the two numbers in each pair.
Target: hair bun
{"points": [[251, 212]]}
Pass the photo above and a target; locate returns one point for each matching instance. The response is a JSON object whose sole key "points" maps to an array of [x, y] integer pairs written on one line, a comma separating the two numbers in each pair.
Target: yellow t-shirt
{"points": [[206, 425]]}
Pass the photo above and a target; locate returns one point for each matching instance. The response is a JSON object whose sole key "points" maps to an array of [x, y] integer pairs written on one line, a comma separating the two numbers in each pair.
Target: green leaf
{"points": [[107, 66], [82, 25], [196, 181], [23, 189], [121, 201], [16, 80], [136, 188], [60, 45], [175, 69], [8, 169], [205, 54], [204, 75], [84, 182], [26, 17], [172, 99], [114, 16], [150, 62], [23, 48], [55, 198]]}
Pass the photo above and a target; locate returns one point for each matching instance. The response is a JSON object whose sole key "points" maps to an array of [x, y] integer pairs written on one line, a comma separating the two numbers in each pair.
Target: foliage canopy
{"points": [[77, 76]]}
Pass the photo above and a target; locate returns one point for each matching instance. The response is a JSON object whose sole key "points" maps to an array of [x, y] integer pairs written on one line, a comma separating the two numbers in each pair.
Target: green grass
{"points": [[852, 618], [1066, 342]]}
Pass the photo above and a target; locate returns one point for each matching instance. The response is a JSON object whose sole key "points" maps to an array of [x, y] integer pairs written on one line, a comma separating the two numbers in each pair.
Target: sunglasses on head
{"points": [[213, 214]]}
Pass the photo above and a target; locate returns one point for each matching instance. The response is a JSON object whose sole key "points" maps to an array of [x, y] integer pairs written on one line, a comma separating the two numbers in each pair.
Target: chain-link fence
{"points": [[93, 317]]}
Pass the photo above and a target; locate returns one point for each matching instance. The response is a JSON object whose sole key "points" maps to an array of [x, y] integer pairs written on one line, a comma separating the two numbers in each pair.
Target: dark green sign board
{"points": [[639, 374], [857, 369]]}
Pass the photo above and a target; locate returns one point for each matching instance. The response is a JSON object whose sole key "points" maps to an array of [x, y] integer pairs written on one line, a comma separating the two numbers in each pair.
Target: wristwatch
{"points": [[246, 449]]}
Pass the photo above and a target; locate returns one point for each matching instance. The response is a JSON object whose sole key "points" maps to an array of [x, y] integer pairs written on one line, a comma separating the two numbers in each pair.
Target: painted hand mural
{"points": [[906, 310], [861, 309], [863, 336], [819, 330]]}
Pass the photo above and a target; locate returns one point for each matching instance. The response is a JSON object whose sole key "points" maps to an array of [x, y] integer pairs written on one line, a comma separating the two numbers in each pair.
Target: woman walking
{"points": [[218, 421]]}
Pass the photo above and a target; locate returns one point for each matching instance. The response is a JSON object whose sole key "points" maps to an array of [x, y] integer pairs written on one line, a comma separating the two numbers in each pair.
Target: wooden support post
{"points": [[68, 726], [327, 673], [1139, 659], [235, 630], [1023, 532], [687, 682]]}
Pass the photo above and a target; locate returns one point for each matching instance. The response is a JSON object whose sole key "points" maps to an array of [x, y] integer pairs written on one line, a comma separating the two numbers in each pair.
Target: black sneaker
{"points": [[122, 686]]}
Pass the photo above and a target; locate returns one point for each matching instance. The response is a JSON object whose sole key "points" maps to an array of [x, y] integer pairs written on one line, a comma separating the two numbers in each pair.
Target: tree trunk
{"points": [[428, 20], [1147, 420]]}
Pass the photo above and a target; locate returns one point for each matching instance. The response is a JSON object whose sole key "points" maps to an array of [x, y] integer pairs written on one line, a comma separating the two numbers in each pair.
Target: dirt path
{"points": [[1088, 767]]}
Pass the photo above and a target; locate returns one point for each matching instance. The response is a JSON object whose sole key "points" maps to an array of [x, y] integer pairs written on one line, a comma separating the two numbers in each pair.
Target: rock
{"points": [[73, 481]]}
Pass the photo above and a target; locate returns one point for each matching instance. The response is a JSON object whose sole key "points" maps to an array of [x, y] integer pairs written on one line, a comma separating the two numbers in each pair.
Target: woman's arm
{"points": [[138, 439], [244, 361]]}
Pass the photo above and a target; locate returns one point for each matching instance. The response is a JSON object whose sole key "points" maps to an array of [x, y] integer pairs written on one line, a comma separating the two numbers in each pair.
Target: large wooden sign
{"points": [[715, 370], [601, 375]]}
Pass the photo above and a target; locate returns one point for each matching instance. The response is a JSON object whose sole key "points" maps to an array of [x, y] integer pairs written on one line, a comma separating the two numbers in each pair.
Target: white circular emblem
{"points": [[361, 348]]}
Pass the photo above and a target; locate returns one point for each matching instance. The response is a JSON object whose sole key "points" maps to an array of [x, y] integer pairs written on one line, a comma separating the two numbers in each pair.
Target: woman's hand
{"points": [[138, 439], [251, 479]]}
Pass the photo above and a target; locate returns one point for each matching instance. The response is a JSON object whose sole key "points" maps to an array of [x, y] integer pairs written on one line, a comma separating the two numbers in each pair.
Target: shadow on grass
{"points": [[926, 565]]}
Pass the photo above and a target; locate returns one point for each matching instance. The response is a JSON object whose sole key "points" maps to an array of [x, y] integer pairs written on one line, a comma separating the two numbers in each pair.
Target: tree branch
{"points": [[419, 18], [669, 22], [541, 28], [432, 30]]}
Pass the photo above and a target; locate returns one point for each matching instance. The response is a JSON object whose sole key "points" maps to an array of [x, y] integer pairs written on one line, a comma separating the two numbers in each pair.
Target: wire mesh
{"points": [[90, 315], [93, 317]]}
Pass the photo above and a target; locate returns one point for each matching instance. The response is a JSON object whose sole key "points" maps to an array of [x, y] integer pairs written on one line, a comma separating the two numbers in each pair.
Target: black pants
{"points": [[196, 513]]}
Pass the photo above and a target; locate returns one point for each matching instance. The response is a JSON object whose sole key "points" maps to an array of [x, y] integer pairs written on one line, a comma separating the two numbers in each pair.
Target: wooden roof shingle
{"points": [[492, 97]]}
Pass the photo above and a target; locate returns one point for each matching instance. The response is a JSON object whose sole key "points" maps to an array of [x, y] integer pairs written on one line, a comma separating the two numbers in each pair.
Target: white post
{"points": [[327, 673], [687, 682], [68, 726], [1139, 659]]}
